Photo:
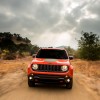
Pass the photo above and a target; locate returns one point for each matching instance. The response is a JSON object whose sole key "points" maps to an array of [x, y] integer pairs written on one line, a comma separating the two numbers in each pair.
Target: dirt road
{"points": [[13, 86], [21, 91]]}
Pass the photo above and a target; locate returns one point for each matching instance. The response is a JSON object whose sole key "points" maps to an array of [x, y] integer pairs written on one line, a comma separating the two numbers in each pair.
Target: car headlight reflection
{"points": [[34, 66], [64, 68]]}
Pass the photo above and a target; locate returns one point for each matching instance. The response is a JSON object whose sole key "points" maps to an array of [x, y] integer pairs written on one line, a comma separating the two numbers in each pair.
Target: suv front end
{"points": [[51, 66]]}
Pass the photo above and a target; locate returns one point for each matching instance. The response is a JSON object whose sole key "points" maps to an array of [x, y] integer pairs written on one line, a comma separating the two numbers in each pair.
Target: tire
{"points": [[70, 84], [31, 83]]}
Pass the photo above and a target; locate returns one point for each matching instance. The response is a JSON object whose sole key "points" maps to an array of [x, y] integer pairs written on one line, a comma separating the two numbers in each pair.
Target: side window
{"points": [[38, 54], [65, 54]]}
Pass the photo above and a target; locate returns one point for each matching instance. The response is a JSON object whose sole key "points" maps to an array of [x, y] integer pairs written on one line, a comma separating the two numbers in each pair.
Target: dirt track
{"points": [[13, 86]]}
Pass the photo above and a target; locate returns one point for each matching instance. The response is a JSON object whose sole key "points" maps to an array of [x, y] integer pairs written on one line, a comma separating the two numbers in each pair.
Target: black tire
{"points": [[31, 83], [70, 84]]}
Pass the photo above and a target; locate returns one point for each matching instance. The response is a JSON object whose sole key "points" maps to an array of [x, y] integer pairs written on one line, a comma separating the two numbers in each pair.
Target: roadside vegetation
{"points": [[13, 46], [89, 46]]}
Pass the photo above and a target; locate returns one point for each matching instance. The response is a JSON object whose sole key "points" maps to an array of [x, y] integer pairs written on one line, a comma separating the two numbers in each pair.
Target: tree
{"points": [[89, 46], [14, 42], [70, 51], [8, 44], [34, 49]]}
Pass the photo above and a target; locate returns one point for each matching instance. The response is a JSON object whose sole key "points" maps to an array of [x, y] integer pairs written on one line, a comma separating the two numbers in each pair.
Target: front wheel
{"points": [[31, 83], [70, 84]]}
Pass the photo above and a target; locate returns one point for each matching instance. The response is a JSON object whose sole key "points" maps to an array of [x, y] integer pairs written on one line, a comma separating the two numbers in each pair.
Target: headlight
{"points": [[64, 68], [34, 66]]}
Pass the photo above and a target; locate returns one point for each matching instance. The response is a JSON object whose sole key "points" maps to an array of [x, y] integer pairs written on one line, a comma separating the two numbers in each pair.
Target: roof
{"points": [[53, 48]]}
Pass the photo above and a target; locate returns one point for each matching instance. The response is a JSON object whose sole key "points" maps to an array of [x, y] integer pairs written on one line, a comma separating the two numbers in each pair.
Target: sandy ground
{"points": [[13, 82]]}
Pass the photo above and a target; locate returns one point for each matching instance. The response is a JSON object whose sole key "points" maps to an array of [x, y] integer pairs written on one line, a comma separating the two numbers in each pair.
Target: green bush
{"points": [[89, 46], [6, 55]]}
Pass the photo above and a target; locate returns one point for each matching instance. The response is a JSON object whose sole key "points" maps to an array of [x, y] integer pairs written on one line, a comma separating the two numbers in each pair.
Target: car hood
{"points": [[51, 61]]}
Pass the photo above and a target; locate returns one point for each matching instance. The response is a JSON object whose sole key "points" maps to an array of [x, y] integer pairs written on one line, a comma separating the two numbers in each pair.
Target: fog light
{"points": [[68, 80], [30, 77], [66, 76]]}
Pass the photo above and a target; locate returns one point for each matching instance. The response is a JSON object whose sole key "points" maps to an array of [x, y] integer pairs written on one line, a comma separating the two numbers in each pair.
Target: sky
{"points": [[50, 22]]}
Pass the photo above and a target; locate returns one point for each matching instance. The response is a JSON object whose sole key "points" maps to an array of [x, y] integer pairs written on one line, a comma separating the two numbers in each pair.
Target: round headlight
{"points": [[34, 66], [64, 68]]}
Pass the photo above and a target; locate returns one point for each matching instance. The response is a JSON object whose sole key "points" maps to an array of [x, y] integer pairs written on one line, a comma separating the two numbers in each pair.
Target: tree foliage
{"points": [[70, 51], [34, 49], [15, 44], [89, 46]]}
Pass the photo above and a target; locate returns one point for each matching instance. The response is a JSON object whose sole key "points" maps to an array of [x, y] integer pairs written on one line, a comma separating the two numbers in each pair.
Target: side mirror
{"points": [[71, 57], [34, 55]]}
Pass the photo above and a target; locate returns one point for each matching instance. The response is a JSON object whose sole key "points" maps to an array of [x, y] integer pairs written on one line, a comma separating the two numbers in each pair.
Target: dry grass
{"points": [[8, 66], [89, 68]]}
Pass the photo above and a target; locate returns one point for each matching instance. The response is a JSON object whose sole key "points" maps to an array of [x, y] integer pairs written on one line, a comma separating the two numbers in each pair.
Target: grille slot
{"points": [[49, 68]]}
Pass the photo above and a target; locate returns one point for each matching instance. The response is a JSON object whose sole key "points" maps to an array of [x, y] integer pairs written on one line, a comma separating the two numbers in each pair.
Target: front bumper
{"points": [[49, 78]]}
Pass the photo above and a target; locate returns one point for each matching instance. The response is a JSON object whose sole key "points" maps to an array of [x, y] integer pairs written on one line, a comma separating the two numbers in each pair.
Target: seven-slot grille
{"points": [[49, 68]]}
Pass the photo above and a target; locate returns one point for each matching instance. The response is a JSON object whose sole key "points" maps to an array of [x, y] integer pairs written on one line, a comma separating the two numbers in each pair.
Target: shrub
{"points": [[89, 46]]}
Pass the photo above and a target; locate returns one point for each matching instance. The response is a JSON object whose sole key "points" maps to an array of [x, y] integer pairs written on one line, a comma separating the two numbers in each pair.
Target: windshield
{"points": [[52, 54]]}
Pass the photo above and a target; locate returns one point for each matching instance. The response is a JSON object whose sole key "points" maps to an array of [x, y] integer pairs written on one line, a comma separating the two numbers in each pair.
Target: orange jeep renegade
{"points": [[51, 65]]}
